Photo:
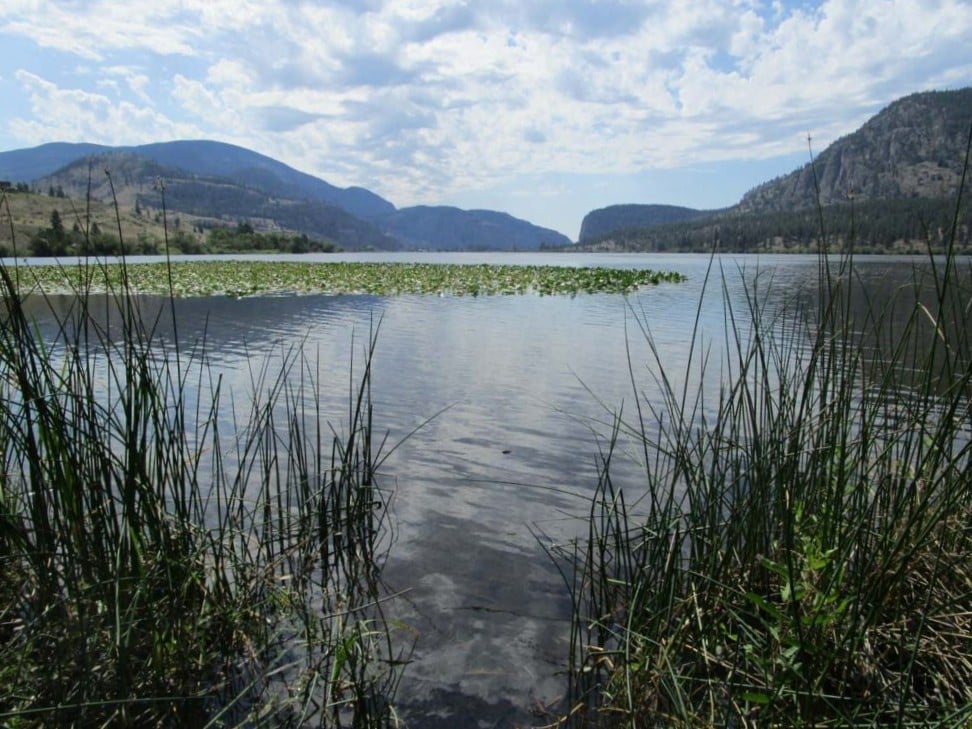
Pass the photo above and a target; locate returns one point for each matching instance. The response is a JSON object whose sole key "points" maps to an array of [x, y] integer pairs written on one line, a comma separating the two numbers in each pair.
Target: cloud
{"points": [[196, 97], [424, 100], [282, 118], [134, 78], [92, 30], [534, 136], [374, 69], [74, 115], [423, 24]]}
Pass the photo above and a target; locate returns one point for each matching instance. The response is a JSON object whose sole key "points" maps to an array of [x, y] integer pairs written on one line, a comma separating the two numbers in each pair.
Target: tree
{"points": [[57, 226]]}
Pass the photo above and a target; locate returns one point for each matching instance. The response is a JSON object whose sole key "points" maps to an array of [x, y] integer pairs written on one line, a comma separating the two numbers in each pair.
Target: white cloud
{"points": [[428, 99], [133, 78], [73, 115], [92, 30], [196, 97]]}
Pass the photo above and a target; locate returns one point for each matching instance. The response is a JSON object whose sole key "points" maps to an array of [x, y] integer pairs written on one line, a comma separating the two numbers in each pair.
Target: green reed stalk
{"points": [[155, 571], [802, 554]]}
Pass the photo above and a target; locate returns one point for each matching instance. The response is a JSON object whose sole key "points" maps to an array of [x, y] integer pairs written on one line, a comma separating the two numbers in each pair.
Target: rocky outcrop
{"points": [[913, 148]]}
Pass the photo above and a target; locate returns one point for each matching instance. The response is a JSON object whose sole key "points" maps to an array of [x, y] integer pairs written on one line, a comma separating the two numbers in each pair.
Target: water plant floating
{"points": [[252, 278]]}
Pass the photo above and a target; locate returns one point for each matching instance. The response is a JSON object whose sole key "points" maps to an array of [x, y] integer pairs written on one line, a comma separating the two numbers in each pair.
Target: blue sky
{"points": [[545, 109]]}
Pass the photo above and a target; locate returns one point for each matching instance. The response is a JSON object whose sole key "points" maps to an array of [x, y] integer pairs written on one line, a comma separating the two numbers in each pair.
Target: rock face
{"points": [[913, 148], [901, 169], [599, 223]]}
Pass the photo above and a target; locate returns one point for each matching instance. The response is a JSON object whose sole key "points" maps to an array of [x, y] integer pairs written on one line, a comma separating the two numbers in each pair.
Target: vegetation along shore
{"points": [[159, 567], [796, 550], [801, 553]]}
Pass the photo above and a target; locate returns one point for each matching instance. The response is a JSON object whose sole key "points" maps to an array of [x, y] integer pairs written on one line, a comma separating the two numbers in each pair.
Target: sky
{"points": [[545, 109]]}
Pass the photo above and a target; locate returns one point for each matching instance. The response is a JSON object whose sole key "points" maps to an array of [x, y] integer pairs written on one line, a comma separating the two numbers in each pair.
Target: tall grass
{"points": [[802, 554], [169, 557]]}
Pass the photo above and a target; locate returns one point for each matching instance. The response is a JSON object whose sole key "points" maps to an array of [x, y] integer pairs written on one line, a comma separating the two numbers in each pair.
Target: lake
{"points": [[509, 398]]}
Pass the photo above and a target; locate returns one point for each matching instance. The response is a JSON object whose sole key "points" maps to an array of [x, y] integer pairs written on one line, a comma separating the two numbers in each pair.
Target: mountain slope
{"points": [[27, 165], [915, 147], [604, 221], [229, 183], [202, 157], [134, 183], [246, 167], [449, 228]]}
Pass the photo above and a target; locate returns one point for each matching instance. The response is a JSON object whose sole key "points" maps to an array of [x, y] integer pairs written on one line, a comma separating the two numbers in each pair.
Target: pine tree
{"points": [[57, 226]]}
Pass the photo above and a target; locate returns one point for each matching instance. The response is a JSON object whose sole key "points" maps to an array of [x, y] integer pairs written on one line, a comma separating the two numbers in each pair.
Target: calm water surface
{"points": [[527, 386]]}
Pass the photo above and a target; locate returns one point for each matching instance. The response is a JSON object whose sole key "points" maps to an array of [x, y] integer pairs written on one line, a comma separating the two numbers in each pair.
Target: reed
{"points": [[173, 555], [799, 552]]}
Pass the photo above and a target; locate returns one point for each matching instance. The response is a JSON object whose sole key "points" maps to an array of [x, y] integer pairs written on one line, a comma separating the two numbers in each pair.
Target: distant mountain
{"points": [[223, 182], [602, 222], [914, 148], [134, 182], [448, 228], [892, 183], [201, 157], [27, 165], [264, 173]]}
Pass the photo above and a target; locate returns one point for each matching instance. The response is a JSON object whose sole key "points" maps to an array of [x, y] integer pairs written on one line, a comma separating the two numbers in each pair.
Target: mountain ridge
{"points": [[912, 150], [134, 183], [428, 226], [911, 154], [603, 221], [231, 161], [913, 147], [251, 186], [203, 157]]}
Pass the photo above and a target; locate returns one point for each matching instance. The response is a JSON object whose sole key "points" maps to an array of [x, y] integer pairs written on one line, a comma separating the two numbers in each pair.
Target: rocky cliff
{"points": [[913, 148]]}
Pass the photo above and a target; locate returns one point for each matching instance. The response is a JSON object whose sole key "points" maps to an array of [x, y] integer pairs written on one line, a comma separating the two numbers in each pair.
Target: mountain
{"points": [[892, 182], [201, 157], [222, 183], [915, 147], [448, 228], [602, 222], [27, 165], [264, 173], [210, 199]]}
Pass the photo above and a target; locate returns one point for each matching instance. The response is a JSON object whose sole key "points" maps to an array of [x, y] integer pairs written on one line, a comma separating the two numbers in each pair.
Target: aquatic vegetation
{"points": [[798, 552], [251, 278], [162, 568]]}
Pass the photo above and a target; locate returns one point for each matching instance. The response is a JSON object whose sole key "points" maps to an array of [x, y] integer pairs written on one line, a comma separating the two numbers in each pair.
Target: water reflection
{"points": [[526, 386]]}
